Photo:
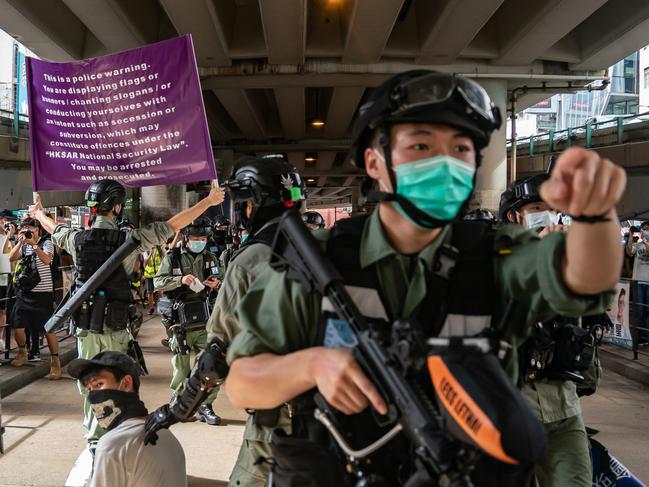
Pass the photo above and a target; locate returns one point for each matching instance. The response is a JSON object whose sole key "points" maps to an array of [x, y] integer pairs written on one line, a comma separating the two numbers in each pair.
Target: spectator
{"points": [[121, 458], [627, 265], [34, 295], [640, 250], [5, 267]]}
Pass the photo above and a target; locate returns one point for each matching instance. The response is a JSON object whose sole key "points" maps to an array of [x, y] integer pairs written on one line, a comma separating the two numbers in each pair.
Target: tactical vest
{"points": [[183, 293], [461, 290], [460, 301], [93, 247], [265, 236], [153, 264]]}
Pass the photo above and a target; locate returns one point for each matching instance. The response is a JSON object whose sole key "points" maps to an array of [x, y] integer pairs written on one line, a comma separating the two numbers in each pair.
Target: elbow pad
{"points": [[210, 372]]}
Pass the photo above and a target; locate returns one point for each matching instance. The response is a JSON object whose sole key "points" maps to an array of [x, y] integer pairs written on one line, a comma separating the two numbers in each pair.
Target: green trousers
{"points": [[248, 470], [567, 458], [196, 342], [89, 345]]}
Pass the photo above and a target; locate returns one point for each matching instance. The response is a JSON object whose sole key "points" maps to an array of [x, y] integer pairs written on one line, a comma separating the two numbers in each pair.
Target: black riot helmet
{"points": [[422, 96], [103, 195], [521, 192], [313, 218], [221, 221], [480, 214], [270, 182], [198, 228]]}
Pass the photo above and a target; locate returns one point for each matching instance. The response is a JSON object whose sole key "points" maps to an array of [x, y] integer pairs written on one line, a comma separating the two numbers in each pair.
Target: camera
{"points": [[28, 234]]}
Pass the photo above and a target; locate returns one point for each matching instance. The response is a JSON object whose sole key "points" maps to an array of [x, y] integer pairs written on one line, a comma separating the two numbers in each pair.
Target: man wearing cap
{"points": [[112, 380], [100, 331]]}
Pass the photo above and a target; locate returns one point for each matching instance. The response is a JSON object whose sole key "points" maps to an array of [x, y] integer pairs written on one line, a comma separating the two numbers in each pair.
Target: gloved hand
{"points": [[161, 418]]}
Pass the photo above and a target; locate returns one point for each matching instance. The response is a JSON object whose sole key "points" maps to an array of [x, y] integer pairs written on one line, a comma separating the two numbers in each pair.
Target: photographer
{"points": [[34, 295], [7, 231]]}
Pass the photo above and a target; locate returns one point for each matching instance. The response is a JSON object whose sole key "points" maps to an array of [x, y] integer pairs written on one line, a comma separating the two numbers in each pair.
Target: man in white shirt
{"points": [[121, 457], [640, 250]]}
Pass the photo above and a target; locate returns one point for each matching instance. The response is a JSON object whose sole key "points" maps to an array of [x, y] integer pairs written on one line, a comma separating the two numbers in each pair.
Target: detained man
{"points": [[112, 380]]}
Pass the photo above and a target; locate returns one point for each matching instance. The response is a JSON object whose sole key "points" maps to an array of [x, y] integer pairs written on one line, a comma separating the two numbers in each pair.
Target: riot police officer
{"points": [[98, 329], [219, 238], [419, 137], [261, 189], [313, 220], [550, 388], [187, 276]]}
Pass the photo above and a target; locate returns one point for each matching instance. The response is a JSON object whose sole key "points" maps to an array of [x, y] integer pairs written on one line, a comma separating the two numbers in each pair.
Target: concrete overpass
{"points": [[271, 68], [625, 143]]}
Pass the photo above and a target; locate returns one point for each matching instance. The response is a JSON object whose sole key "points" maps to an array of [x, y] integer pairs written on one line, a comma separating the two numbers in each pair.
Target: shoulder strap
{"points": [[265, 236], [462, 279], [343, 249]]}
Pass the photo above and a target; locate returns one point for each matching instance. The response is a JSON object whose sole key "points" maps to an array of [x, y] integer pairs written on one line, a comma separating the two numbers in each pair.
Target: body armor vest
{"points": [[93, 247], [183, 293], [460, 304]]}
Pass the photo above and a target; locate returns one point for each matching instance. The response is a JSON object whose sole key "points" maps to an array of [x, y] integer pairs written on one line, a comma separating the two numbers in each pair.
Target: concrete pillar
{"points": [[492, 175], [161, 202]]}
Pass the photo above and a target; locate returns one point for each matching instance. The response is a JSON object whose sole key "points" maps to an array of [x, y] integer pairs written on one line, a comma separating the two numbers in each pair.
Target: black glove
{"points": [[157, 420]]}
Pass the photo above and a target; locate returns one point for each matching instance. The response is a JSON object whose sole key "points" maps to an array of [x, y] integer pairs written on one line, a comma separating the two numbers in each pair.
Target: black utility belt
{"points": [[178, 328], [562, 354], [99, 315]]}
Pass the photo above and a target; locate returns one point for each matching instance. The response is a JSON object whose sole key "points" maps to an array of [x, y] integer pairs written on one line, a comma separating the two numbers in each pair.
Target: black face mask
{"points": [[111, 407]]}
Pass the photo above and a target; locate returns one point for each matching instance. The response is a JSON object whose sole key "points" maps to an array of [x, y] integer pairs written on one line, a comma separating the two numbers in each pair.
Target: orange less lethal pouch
{"points": [[482, 407]]}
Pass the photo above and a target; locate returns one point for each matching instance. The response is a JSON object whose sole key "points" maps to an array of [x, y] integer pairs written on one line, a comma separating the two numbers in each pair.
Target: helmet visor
{"points": [[437, 88]]}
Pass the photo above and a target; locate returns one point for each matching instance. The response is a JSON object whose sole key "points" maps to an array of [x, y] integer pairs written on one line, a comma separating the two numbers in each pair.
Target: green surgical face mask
{"points": [[438, 186]]}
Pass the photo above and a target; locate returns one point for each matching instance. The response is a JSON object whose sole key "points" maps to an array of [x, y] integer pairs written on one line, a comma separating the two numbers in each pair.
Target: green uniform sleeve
{"points": [[64, 237], [277, 316], [156, 233], [223, 322], [164, 280], [528, 272]]}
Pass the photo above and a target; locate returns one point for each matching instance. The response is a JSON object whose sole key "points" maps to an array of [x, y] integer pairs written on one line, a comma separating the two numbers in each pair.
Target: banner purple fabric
{"points": [[136, 116]]}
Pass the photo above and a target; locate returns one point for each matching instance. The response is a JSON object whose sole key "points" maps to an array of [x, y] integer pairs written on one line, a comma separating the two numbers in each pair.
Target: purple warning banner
{"points": [[136, 116]]}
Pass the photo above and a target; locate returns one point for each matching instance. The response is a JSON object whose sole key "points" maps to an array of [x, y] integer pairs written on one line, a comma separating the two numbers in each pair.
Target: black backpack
{"points": [[28, 276]]}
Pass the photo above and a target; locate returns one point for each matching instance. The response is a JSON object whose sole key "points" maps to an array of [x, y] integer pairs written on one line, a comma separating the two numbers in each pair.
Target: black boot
{"points": [[207, 415]]}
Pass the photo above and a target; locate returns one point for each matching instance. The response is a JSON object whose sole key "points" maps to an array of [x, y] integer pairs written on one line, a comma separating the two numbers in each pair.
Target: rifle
{"points": [[394, 360], [97, 279]]}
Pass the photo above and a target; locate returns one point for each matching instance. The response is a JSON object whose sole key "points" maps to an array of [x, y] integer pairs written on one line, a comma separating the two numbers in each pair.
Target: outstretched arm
{"points": [[583, 184], [185, 217]]}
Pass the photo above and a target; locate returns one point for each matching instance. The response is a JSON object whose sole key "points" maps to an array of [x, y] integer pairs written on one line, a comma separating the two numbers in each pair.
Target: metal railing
{"points": [[6, 328], [553, 137]]}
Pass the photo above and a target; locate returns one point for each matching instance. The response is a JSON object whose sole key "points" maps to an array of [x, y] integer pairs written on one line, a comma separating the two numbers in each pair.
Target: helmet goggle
{"points": [[438, 88], [530, 189], [291, 192]]}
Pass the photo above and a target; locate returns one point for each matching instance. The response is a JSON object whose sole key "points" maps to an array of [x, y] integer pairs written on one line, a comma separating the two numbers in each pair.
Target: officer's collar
{"points": [[375, 245], [104, 222]]}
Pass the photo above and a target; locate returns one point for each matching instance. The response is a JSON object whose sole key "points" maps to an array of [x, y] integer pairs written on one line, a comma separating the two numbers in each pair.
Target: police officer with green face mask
{"points": [[419, 138], [188, 275], [261, 189]]}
